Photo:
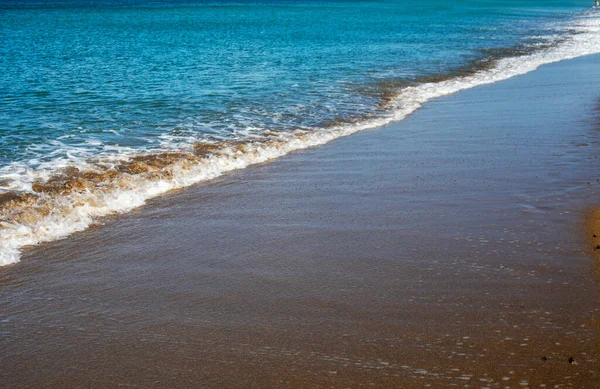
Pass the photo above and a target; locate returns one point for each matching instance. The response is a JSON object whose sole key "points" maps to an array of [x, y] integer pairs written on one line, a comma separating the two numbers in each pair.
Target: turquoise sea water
{"points": [[93, 85], [82, 76]]}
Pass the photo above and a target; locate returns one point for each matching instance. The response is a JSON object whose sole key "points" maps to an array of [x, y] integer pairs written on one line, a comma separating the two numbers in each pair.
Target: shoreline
{"points": [[44, 205], [442, 249]]}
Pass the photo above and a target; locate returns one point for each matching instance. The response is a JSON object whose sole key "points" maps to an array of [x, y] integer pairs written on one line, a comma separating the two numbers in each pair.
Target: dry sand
{"points": [[447, 250]]}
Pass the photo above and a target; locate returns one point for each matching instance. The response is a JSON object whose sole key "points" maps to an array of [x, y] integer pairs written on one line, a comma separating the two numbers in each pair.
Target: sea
{"points": [[105, 104]]}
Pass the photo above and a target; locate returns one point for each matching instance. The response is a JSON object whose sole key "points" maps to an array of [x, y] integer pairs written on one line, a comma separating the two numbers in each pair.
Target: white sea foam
{"points": [[77, 210]]}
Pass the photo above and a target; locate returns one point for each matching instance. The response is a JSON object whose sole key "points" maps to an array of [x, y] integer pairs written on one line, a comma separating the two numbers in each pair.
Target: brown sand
{"points": [[592, 232], [442, 251]]}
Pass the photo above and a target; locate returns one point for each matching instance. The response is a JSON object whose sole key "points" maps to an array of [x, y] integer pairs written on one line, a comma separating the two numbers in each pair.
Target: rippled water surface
{"points": [[104, 104], [78, 79]]}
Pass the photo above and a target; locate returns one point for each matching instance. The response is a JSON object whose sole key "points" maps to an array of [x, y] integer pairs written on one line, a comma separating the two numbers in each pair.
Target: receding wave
{"points": [[48, 204]]}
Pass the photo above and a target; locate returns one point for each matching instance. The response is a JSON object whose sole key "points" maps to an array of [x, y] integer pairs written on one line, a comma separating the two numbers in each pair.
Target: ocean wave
{"points": [[65, 195]]}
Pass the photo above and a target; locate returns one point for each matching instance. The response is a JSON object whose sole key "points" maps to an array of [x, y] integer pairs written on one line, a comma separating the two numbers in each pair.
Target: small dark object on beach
{"points": [[595, 236], [544, 358], [572, 361], [597, 247]]}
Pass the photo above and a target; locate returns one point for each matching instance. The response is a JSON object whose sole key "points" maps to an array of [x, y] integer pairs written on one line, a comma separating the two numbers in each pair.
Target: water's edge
{"points": [[53, 206]]}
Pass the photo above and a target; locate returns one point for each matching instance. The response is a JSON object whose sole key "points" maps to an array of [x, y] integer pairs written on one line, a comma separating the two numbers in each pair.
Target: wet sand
{"points": [[448, 250]]}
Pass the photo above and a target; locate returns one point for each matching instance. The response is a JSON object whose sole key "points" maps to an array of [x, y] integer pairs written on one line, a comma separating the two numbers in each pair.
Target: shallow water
{"points": [[87, 89], [412, 256]]}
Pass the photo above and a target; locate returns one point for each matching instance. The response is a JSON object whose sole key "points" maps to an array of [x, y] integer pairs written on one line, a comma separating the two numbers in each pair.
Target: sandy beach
{"points": [[451, 249]]}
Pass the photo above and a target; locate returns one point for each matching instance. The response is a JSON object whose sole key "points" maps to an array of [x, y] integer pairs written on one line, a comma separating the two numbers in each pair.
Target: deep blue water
{"points": [[78, 78]]}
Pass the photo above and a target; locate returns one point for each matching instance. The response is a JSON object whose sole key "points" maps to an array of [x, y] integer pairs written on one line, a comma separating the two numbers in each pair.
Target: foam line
{"points": [[118, 187]]}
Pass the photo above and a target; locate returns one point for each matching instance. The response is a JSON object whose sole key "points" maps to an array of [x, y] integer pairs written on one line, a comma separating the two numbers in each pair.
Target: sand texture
{"points": [[447, 250]]}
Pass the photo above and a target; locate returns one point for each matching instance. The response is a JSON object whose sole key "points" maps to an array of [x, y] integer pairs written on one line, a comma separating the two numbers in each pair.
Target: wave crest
{"points": [[40, 206]]}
